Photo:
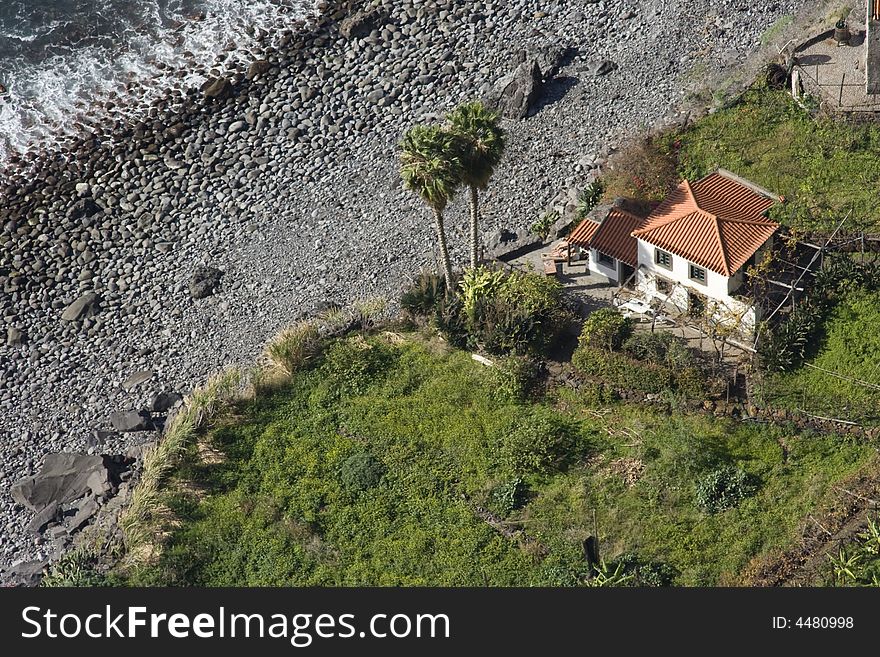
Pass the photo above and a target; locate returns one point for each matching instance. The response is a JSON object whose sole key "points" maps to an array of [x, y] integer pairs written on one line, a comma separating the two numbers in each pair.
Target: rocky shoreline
{"points": [[283, 182]]}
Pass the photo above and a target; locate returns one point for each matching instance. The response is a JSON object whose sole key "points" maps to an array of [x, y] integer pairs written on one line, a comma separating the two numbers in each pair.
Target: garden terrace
{"points": [[395, 460]]}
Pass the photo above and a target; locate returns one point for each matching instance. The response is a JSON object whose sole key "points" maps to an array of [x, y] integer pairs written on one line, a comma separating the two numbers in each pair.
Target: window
{"points": [[663, 258], [663, 285], [698, 274], [606, 260]]}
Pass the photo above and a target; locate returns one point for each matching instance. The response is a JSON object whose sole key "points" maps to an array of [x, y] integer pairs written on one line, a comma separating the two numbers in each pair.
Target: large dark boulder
{"points": [[25, 574], [63, 478], [85, 207], [551, 58], [128, 421], [361, 23], [217, 88], [506, 245], [204, 282], [85, 306], [517, 92], [257, 67], [165, 401]]}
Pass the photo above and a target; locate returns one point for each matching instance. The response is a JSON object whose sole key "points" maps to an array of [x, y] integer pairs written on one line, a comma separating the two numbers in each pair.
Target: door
{"points": [[627, 277]]}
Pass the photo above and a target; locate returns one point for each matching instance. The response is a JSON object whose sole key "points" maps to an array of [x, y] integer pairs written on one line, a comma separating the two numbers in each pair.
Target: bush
{"points": [[513, 378], [449, 319], [606, 328], [295, 347], [353, 365], [542, 226], [508, 496], [661, 347], [785, 347], [477, 286], [621, 371], [724, 488], [74, 569], [368, 312], [644, 170], [514, 313], [646, 573], [539, 443], [425, 295], [589, 198], [360, 472], [597, 394]]}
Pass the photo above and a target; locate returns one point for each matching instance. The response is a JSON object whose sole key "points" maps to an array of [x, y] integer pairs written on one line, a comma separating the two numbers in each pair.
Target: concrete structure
{"points": [[844, 75]]}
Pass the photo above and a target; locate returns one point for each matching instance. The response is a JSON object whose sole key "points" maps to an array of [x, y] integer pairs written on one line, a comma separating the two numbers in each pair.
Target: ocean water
{"points": [[63, 61]]}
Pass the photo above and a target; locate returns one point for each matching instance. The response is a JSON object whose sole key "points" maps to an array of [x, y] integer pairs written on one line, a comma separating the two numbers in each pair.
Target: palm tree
{"points": [[430, 167], [482, 145]]}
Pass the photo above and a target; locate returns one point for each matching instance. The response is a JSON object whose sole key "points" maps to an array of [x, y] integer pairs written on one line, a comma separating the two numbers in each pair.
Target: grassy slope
{"points": [[277, 513], [850, 346], [823, 168]]}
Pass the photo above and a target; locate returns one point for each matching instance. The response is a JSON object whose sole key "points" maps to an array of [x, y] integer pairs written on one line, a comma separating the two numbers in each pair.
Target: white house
{"points": [[690, 253], [612, 250]]}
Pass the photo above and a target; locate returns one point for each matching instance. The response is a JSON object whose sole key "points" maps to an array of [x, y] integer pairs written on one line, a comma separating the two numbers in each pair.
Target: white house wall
{"points": [[715, 290], [599, 268]]}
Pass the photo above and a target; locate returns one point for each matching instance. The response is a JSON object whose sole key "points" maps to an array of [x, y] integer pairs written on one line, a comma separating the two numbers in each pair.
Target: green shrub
{"points": [[425, 295], [589, 198], [542, 226], [515, 313], [724, 488], [606, 328], [785, 346], [360, 472], [295, 347], [538, 443], [659, 347], [353, 365], [477, 286], [646, 573], [513, 378], [596, 394], [74, 569], [858, 562], [621, 371], [450, 320], [368, 312], [508, 496]]}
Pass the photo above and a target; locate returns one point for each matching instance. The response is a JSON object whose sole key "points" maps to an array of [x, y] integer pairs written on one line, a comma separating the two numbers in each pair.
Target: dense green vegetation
{"points": [[848, 345], [824, 168], [398, 460], [858, 562]]}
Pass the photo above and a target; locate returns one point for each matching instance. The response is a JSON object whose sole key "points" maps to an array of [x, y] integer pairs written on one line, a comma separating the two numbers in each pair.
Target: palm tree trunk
{"points": [[444, 250], [475, 220]]}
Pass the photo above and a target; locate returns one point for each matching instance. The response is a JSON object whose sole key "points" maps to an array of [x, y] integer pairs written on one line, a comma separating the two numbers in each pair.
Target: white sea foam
{"points": [[47, 102]]}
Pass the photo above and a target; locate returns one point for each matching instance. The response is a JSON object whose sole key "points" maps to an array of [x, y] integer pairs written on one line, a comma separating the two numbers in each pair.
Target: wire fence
{"points": [[845, 95]]}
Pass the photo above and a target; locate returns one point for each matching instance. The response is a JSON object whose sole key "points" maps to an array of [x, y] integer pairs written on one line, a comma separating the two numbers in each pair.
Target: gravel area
{"points": [[290, 188]]}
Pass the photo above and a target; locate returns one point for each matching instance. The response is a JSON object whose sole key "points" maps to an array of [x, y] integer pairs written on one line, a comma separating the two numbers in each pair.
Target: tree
{"points": [[481, 147], [431, 167]]}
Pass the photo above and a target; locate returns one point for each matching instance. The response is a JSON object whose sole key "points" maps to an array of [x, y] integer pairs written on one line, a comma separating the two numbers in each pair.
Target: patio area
{"points": [[845, 76], [592, 291]]}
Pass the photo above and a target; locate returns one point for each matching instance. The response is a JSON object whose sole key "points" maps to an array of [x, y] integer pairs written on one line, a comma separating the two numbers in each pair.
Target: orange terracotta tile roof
{"points": [[613, 236], [583, 233], [717, 223]]}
